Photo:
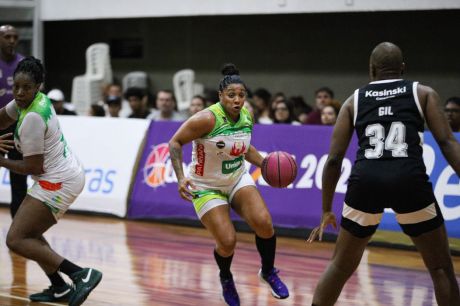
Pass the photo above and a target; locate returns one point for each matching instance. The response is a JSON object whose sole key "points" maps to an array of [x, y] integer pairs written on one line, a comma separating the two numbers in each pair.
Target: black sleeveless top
{"points": [[389, 121]]}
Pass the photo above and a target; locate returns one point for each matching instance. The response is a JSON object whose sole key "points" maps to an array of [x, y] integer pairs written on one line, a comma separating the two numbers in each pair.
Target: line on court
{"points": [[24, 299]]}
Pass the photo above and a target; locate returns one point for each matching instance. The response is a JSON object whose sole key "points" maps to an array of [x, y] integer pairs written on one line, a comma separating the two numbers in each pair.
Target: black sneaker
{"points": [[84, 281], [53, 294]]}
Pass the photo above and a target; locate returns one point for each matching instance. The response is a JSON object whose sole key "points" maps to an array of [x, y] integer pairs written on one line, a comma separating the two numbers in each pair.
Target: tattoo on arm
{"points": [[175, 151]]}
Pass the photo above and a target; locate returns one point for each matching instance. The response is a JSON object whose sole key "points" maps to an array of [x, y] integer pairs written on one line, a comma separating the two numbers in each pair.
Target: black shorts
{"points": [[399, 184]]}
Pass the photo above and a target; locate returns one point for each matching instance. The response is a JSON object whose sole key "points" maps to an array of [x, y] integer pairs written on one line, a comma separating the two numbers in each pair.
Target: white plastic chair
{"points": [[137, 79], [185, 88], [87, 89]]}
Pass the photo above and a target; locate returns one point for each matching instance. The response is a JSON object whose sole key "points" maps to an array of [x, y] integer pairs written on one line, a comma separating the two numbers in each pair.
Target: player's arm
{"points": [[439, 127], [341, 137], [196, 127], [33, 146], [253, 156], [8, 115]]}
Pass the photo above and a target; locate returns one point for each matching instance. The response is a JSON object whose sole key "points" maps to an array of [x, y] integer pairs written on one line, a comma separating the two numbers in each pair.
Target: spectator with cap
{"points": [[135, 97], [113, 92], [452, 110], [166, 107], [323, 97], [113, 106], [57, 98]]}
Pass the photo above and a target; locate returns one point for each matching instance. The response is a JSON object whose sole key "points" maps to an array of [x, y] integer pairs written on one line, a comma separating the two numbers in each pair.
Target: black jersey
{"points": [[389, 121]]}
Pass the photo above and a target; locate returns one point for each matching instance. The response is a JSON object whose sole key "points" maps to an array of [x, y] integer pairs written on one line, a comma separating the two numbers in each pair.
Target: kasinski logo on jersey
{"points": [[237, 149], [385, 94], [155, 165]]}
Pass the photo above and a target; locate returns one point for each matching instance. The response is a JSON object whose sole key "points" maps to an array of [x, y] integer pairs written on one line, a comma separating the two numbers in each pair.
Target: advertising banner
{"points": [[108, 148]]}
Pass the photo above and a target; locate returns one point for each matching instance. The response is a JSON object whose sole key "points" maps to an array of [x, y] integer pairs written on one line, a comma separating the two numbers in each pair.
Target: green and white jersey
{"points": [[218, 158], [38, 132]]}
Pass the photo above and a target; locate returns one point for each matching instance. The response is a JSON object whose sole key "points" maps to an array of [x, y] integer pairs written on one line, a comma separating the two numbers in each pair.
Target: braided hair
{"points": [[231, 76], [32, 67]]}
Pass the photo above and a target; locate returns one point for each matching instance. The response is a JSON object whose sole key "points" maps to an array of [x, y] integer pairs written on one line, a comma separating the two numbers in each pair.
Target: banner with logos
{"points": [[155, 193], [108, 148]]}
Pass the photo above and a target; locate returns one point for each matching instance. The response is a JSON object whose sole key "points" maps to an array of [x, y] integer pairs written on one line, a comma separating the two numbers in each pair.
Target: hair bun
{"points": [[230, 69]]}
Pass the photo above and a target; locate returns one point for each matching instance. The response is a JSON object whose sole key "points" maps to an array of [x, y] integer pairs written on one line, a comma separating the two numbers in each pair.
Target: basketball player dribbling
{"points": [[218, 180], [388, 115]]}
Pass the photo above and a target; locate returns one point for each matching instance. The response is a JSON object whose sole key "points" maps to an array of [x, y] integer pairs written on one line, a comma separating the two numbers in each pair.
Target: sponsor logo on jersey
{"points": [[230, 166], [201, 158], [155, 165], [385, 94], [238, 148], [220, 144]]}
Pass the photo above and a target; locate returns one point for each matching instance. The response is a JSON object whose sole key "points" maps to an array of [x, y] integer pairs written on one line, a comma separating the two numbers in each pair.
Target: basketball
{"points": [[279, 169]]}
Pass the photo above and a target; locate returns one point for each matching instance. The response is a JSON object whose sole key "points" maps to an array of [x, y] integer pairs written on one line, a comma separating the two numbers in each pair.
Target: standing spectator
{"points": [[452, 111], [112, 92], [166, 105], [135, 97], [8, 62], [57, 98], [197, 104], [262, 99], [323, 97], [284, 113], [113, 106]]}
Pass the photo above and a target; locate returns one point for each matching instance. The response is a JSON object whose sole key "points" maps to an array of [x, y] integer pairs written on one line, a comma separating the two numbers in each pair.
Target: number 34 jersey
{"points": [[389, 121]]}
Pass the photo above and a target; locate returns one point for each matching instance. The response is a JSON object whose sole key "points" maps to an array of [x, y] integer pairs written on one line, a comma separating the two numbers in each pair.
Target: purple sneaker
{"points": [[229, 293], [279, 289]]}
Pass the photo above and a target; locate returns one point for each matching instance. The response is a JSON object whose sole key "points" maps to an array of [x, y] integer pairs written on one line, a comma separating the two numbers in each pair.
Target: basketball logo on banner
{"points": [[155, 165]]}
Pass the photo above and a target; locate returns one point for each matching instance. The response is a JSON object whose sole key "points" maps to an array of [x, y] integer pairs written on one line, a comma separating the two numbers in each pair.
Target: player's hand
{"points": [[184, 190], [6, 144], [326, 219]]}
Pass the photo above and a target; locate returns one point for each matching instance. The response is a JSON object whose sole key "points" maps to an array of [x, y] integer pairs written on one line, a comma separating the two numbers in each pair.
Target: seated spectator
{"points": [[301, 109], [135, 97], [452, 110], [57, 99], [284, 113], [211, 96], [261, 98], [96, 111], [323, 96], [278, 97], [113, 106], [329, 113], [166, 108], [197, 104], [112, 92], [251, 110]]}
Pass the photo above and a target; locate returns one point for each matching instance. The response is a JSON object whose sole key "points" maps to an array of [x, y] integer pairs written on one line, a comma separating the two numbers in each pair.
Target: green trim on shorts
{"points": [[201, 197], [53, 209]]}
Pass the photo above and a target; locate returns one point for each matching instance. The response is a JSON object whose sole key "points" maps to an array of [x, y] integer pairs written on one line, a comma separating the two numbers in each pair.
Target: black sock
{"points": [[266, 248], [224, 264], [56, 279], [68, 267]]}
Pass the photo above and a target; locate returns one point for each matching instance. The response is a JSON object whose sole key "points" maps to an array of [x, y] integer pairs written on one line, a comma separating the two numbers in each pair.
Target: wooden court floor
{"points": [[152, 264]]}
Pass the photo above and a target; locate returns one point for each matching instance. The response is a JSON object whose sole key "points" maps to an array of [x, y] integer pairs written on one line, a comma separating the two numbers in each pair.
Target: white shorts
{"points": [[58, 196], [208, 199]]}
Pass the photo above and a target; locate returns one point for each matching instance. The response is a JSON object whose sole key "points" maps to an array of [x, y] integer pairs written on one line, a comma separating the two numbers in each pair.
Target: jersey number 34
{"points": [[394, 142]]}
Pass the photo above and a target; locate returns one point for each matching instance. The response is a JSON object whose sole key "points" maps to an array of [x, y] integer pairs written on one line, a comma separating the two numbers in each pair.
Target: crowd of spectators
{"points": [[266, 108]]}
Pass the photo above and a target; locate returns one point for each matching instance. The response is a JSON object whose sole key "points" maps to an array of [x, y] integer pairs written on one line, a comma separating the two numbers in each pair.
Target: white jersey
{"points": [[38, 132]]}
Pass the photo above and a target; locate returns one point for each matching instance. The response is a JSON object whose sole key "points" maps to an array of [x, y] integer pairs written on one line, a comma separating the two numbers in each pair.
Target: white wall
{"points": [[100, 9]]}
